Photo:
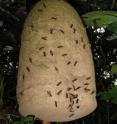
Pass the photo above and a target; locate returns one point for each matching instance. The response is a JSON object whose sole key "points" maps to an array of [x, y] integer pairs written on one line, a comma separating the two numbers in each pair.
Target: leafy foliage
{"points": [[24, 120], [114, 69], [106, 19], [110, 95], [100, 18], [113, 26]]}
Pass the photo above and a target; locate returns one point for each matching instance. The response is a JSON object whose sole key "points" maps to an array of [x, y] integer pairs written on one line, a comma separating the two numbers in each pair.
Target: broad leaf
{"points": [[114, 69], [112, 27], [28, 119], [100, 18], [111, 95]]}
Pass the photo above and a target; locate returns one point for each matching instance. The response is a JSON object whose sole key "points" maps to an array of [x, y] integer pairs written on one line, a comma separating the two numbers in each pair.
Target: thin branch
{"points": [[9, 14]]}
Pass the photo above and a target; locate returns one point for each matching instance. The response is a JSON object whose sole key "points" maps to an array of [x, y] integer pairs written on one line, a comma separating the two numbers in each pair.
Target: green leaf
{"points": [[100, 18], [112, 27], [113, 92], [104, 96], [114, 69], [28, 119], [17, 122], [111, 95]]}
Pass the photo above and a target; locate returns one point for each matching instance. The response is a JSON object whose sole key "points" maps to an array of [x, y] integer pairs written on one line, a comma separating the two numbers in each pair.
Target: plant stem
{"points": [[1, 89], [112, 5]]}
